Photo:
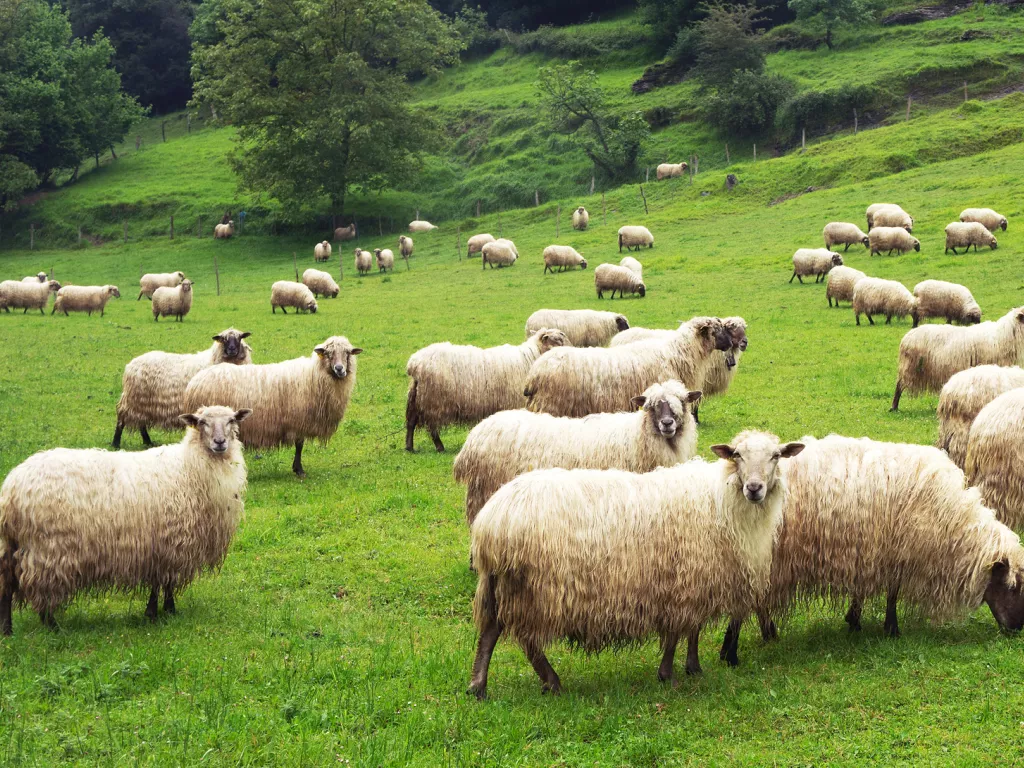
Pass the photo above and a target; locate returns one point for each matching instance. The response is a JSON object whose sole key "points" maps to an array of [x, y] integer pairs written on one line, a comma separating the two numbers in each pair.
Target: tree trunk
{"points": [[828, 38], [112, 153], [97, 159]]}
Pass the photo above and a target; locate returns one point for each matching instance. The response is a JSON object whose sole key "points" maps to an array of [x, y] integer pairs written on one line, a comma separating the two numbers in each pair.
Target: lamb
{"points": [[39, 277], [173, 301], [153, 384], [89, 520], [405, 246], [814, 261], [993, 464], [874, 296], [501, 252], [661, 433], [224, 231], [843, 233], [564, 257], [634, 237], [888, 211], [385, 259], [345, 233], [892, 239], [632, 265], [931, 354], [583, 327], [364, 261], [577, 382], [150, 282], [285, 293], [615, 278], [936, 298], [320, 283], [986, 216], [451, 384], [603, 557], [476, 243], [580, 219], [322, 251], [964, 235], [294, 401], [671, 170], [84, 298], [963, 397], [841, 281], [26, 296], [421, 226]]}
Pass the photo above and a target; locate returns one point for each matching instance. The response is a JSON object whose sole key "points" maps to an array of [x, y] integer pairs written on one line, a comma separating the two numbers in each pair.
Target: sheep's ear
{"points": [[789, 450], [638, 402], [693, 397], [723, 451], [190, 419], [320, 350], [242, 414], [1020, 316], [219, 338], [245, 335], [357, 350]]}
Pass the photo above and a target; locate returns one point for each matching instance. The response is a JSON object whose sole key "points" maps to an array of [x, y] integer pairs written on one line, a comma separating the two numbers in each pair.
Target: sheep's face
{"points": [[737, 329], [973, 316], [581, 210], [186, 286], [311, 306], [755, 459], [337, 356], [54, 286], [41, 277], [866, 240], [217, 426], [917, 244], [550, 338], [334, 293], [837, 260], [621, 323], [231, 342], [1004, 597], [642, 290], [112, 290], [376, 252], [992, 242], [1002, 224], [908, 227], [583, 263], [180, 275], [668, 407]]}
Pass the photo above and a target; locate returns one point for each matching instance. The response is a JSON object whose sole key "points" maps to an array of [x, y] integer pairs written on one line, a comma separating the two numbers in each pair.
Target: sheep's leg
{"points": [[769, 631], [411, 417], [669, 643], [829, 301], [692, 660], [154, 596], [846, 248], [297, 461], [696, 412], [892, 627], [437, 439], [800, 278], [731, 643], [896, 397], [145, 437], [490, 631], [794, 275], [116, 442], [46, 617], [853, 615], [8, 586], [140, 295], [870, 320], [548, 677], [857, 315], [888, 319], [169, 598]]}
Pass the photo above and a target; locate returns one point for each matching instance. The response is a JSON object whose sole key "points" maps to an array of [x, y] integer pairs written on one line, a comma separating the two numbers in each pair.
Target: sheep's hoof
{"points": [[479, 691], [555, 689], [300, 473], [694, 670]]}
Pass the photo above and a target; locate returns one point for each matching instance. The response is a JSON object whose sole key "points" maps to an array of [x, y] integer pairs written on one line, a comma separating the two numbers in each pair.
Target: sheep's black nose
{"points": [[755, 487], [339, 371], [666, 423]]}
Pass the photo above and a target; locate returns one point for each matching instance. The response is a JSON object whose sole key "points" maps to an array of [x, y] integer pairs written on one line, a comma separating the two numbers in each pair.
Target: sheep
{"points": [[224, 231], [929, 355], [89, 520], [993, 463], [843, 233], [84, 298], [405, 246], [345, 233], [364, 261], [889, 210], [385, 259], [322, 251], [577, 382], [421, 226], [986, 216], [936, 298], [814, 261], [865, 518], [450, 384], [294, 401], [173, 301], [320, 283], [841, 281], [963, 397], [150, 282], [476, 243], [615, 278], [583, 327], [671, 170], [502, 252], [580, 219], [153, 384], [892, 239], [893, 217], [39, 277], [633, 266], [603, 557], [564, 257], [964, 235], [875, 296], [660, 432], [26, 296], [634, 238], [286, 293]]}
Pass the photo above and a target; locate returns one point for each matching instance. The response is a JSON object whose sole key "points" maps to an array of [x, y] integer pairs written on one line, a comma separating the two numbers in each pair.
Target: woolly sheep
{"points": [[501, 252], [461, 384], [964, 235], [580, 219], [89, 520], [405, 246], [602, 557], [153, 384], [929, 355], [320, 283], [963, 397], [173, 301], [660, 434], [421, 226], [892, 217], [322, 251], [615, 278], [224, 231], [986, 216], [294, 401], [564, 257], [874, 296], [577, 382], [39, 277], [841, 281], [814, 261], [632, 265], [993, 463], [286, 293], [385, 259], [477, 242], [26, 296], [150, 282], [889, 210], [345, 233], [84, 298], [671, 170], [364, 261], [583, 327], [891, 239], [634, 237], [843, 233], [936, 298]]}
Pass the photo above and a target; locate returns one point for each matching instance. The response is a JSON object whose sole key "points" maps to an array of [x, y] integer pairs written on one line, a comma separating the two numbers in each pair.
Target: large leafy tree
{"points": [[319, 93], [830, 15]]}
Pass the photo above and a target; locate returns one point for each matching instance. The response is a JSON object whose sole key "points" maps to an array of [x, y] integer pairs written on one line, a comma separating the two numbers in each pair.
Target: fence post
{"points": [[727, 161], [124, 224], [500, 233], [855, 122], [296, 265], [755, 153], [31, 237], [909, 100], [458, 243], [604, 210], [965, 90], [199, 227], [417, 214], [647, 174], [558, 220], [216, 272], [478, 207], [163, 130], [536, 197], [591, 183], [380, 226], [803, 139], [696, 164], [644, 198], [172, 226], [188, 122], [79, 234]]}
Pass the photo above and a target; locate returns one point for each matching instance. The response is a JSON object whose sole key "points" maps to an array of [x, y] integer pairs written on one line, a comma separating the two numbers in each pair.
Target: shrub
{"points": [[790, 38], [817, 110], [748, 104]]}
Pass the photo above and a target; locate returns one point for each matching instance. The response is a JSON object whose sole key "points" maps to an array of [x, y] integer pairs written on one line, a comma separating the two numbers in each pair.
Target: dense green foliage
{"points": [[831, 15]]}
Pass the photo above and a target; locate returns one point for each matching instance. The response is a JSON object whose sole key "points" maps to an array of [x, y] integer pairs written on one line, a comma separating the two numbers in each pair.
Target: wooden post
{"points": [[727, 161], [140, 271], [965, 90], [199, 227], [803, 139], [644, 198], [31, 237], [458, 243], [125, 225], [591, 183], [909, 100], [855, 122], [51, 272], [755, 153], [647, 174], [696, 164], [138, 142], [558, 221], [417, 214], [296, 265], [79, 234], [341, 264], [536, 197], [604, 210], [163, 130], [216, 272], [188, 122], [689, 169], [499, 224], [172, 226], [380, 226], [478, 207]]}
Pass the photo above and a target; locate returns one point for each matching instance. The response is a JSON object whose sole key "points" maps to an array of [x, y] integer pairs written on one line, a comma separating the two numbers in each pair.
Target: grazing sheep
{"points": [[633, 266], [634, 238], [891, 239], [580, 219], [963, 397], [385, 259], [405, 246], [294, 401], [224, 231], [320, 283], [603, 557], [583, 327], [39, 277], [986, 216], [26, 296], [476, 243], [322, 251], [89, 520], [964, 235], [660, 432], [501, 252], [891, 217], [577, 382], [286, 293], [149, 283], [841, 281], [671, 170], [153, 384], [889, 211], [931, 354], [615, 278], [421, 226], [993, 463], [874, 296], [345, 233], [450, 384], [173, 301], [814, 261], [84, 298], [843, 233], [364, 261], [564, 257], [936, 298]]}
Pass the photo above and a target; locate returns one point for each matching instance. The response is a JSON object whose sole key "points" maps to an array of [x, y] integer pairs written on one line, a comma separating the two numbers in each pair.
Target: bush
{"points": [[747, 106], [683, 51], [581, 42], [817, 110], [790, 38]]}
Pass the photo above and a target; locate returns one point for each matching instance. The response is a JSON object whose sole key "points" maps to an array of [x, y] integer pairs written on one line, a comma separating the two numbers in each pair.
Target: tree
{"points": [[833, 14], [726, 43], [748, 106], [575, 106], [319, 93]]}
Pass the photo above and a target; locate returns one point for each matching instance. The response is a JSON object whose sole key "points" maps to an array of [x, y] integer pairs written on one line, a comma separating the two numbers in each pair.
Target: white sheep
{"points": [[892, 239], [937, 298], [173, 301], [612, 277], [287, 293], [580, 219], [385, 259], [405, 246], [150, 282], [632, 265], [892, 217], [39, 277], [888, 211], [584, 327], [814, 261], [421, 226], [841, 281], [986, 216], [671, 170], [345, 233], [224, 231], [635, 237], [964, 235], [322, 251], [993, 462], [502, 252], [963, 397], [84, 298], [874, 296], [320, 283], [26, 296], [563, 257], [364, 261], [843, 233], [476, 243]]}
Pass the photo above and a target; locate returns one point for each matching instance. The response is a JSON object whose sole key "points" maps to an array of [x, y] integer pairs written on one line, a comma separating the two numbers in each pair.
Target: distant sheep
{"points": [[26, 296], [986, 216], [563, 257], [843, 233], [364, 261], [385, 259], [580, 219], [150, 282], [224, 231], [874, 296], [476, 243], [615, 278], [320, 283], [287, 293], [841, 281], [634, 238], [964, 235], [993, 463], [345, 233], [891, 239], [814, 261], [322, 251], [84, 298], [632, 265], [501, 252], [405, 246], [936, 298], [583, 327], [39, 277], [173, 301], [421, 226], [671, 170], [963, 397], [887, 211]]}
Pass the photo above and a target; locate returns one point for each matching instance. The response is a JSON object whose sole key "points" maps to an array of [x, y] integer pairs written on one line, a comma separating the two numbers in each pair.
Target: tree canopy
{"points": [[830, 15]]}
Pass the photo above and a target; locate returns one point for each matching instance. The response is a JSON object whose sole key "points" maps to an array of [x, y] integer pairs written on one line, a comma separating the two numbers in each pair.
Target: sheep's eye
{"points": [[776, 455], [202, 423]]}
